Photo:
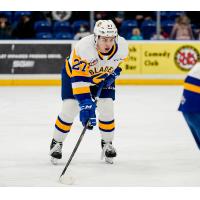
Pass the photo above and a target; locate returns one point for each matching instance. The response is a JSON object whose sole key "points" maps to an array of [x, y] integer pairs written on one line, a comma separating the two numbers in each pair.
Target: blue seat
{"points": [[167, 25], [148, 28], [64, 36], [61, 26], [44, 35], [129, 24], [172, 15], [163, 15], [42, 26], [126, 28], [19, 14], [76, 25]]}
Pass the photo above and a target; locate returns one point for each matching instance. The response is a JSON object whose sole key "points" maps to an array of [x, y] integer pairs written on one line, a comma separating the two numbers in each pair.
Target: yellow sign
{"points": [[161, 57]]}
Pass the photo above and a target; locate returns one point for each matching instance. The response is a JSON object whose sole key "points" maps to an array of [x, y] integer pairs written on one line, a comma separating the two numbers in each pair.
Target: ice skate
{"points": [[108, 152], [55, 151]]}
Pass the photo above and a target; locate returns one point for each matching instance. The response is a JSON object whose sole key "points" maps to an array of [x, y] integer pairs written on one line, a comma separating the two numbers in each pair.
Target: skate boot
{"points": [[108, 152], [55, 151]]}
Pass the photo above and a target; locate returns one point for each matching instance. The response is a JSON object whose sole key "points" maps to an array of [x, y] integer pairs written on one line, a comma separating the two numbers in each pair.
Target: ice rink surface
{"points": [[154, 144]]}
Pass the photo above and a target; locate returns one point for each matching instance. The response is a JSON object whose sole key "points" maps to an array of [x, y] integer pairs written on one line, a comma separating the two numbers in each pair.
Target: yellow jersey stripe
{"points": [[79, 73], [81, 90], [192, 88], [62, 126], [107, 126]]}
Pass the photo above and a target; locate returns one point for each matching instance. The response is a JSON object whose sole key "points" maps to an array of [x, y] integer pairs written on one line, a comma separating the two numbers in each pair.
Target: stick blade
{"points": [[67, 180]]}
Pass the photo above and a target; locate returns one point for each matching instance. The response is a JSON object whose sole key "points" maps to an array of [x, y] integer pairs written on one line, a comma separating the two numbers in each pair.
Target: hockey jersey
{"points": [[190, 101], [86, 66]]}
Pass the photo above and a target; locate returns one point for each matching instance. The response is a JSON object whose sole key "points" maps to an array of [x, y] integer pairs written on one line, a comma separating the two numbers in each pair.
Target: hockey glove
{"points": [[111, 78], [87, 113]]}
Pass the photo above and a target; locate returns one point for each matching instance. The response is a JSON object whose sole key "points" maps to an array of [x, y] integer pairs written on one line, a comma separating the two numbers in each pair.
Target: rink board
{"points": [[29, 62], [54, 80]]}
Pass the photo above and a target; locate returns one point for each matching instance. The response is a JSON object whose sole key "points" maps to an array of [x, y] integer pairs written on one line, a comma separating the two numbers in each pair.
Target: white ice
{"points": [[154, 145]]}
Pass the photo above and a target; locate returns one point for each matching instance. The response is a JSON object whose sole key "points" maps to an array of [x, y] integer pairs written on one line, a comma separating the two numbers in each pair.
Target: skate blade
{"points": [[109, 160], [54, 161]]}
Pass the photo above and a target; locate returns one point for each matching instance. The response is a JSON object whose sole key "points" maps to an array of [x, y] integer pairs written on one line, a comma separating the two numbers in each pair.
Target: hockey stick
{"points": [[69, 181]]}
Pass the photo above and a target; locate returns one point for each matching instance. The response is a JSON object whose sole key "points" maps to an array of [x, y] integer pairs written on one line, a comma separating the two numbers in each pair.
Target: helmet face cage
{"points": [[105, 28]]}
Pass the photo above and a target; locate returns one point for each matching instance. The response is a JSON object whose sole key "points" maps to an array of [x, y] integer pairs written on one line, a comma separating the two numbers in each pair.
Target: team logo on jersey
{"points": [[97, 78], [93, 62], [186, 57], [97, 70]]}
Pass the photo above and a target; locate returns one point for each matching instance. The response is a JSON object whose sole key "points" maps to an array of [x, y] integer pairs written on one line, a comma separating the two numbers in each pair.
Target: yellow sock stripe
{"points": [[106, 126], [81, 90], [62, 126], [192, 88]]}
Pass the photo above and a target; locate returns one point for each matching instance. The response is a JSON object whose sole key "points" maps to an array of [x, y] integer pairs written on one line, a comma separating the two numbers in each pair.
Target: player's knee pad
{"points": [[105, 107], [69, 110]]}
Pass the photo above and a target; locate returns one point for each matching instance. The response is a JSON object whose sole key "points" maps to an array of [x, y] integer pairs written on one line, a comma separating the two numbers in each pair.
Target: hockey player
{"points": [[190, 103], [94, 59]]}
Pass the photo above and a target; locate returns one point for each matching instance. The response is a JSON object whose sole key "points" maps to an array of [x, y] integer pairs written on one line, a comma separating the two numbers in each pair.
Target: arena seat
{"points": [[19, 14], [172, 15], [64, 36], [163, 15], [148, 28], [42, 26], [61, 26], [44, 35], [126, 28], [76, 25], [167, 25]]}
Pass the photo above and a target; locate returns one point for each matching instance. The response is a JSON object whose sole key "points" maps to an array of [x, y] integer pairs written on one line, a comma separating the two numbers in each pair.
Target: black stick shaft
{"points": [[81, 136], [75, 149]]}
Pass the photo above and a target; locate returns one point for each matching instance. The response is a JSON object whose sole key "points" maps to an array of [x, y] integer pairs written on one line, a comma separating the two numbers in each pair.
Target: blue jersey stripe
{"points": [[190, 102], [80, 79], [81, 97], [192, 80]]}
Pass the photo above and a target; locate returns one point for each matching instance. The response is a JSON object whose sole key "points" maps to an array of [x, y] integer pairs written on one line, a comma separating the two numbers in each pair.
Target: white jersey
{"points": [[86, 66], [195, 71]]}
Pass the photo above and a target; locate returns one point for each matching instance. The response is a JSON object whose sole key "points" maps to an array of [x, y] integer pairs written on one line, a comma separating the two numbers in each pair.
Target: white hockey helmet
{"points": [[105, 28]]}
